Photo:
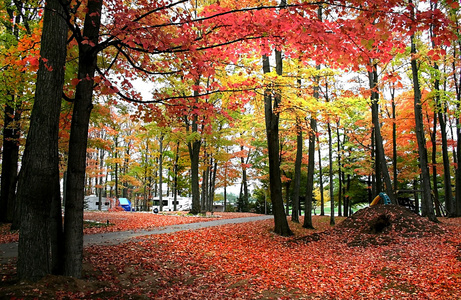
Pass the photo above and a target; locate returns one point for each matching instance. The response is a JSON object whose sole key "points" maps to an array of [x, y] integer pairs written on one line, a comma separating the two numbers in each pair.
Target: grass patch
{"points": [[96, 224]]}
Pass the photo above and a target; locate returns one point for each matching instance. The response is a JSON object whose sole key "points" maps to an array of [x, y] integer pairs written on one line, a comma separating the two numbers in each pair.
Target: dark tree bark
{"points": [[73, 220], [394, 140], [194, 154], [449, 201], [434, 166], [427, 206], [38, 185], [10, 157], [322, 198], [297, 179], [271, 104], [340, 177], [10, 211], [175, 178], [212, 183], [160, 171], [380, 156], [330, 161], [332, 191], [457, 157], [244, 186], [310, 176]]}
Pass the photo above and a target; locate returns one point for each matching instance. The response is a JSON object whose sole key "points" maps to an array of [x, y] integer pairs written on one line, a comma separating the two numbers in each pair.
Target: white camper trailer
{"points": [[92, 203], [182, 204]]}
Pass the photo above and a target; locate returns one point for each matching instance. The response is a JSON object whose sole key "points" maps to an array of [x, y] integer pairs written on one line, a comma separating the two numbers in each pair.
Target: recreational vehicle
{"points": [[182, 204], [92, 203]]}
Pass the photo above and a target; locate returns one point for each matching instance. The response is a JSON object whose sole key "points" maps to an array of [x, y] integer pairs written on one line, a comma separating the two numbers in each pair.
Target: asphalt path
{"points": [[8, 252]]}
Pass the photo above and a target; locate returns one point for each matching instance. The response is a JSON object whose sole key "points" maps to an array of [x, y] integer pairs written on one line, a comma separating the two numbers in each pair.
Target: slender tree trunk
{"points": [[271, 104], [116, 170], [434, 165], [446, 161], [73, 221], [375, 177], [203, 203], [311, 156], [427, 205], [297, 179], [160, 171], [457, 82], [380, 155], [330, 161], [175, 179], [213, 184], [194, 153], [394, 141], [332, 191], [287, 197], [10, 157], [101, 162], [244, 184], [38, 185], [322, 198], [310, 175], [340, 181]]}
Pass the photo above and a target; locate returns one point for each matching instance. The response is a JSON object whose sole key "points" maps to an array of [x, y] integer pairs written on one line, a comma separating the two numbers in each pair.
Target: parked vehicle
{"points": [[92, 203], [182, 204]]}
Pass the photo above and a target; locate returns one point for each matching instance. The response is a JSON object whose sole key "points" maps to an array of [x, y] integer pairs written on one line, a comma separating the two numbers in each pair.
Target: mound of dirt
{"points": [[381, 225]]}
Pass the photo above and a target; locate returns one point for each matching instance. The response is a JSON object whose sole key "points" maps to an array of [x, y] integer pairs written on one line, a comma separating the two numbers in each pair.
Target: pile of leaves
{"points": [[385, 224], [248, 261]]}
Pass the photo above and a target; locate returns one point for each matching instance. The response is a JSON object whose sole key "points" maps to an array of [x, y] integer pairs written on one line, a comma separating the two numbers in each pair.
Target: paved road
{"points": [[9, 251]]}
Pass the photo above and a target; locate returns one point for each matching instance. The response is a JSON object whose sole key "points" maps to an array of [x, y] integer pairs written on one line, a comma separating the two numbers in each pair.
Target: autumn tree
{"points": [[38, 186], [19, 57]]}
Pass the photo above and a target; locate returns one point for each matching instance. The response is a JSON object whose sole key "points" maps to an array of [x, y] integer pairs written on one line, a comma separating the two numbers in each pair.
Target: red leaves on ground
{"points": [[124, 221], [6, 235], [247, 261]]}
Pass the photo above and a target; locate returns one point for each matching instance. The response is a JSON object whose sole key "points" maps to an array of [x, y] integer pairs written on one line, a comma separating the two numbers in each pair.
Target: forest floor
{"points": [[381, 252]]}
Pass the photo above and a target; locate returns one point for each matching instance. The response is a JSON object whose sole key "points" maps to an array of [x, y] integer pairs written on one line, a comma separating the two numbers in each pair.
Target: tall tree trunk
{"points": [[322, 197], [287, 197], [449, 201], [175, 178], [213, 183], [297, 179], [271, 104], [340, 180], [446, 161], [116, 170], [73, 220], [394, 141], [194, 154], [457, 82], [205, 177], [160, 171], [332, 191], [10, 156], [310, 175], [244, 185], [380, 155], [38, 185], [10, 212], [101, 184], [427, 205], [434, 165], [330, 161]]}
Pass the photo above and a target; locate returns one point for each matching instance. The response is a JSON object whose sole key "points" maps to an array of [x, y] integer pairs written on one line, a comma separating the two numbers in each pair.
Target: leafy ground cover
{"points": [[379, 253], [98, 222]]}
